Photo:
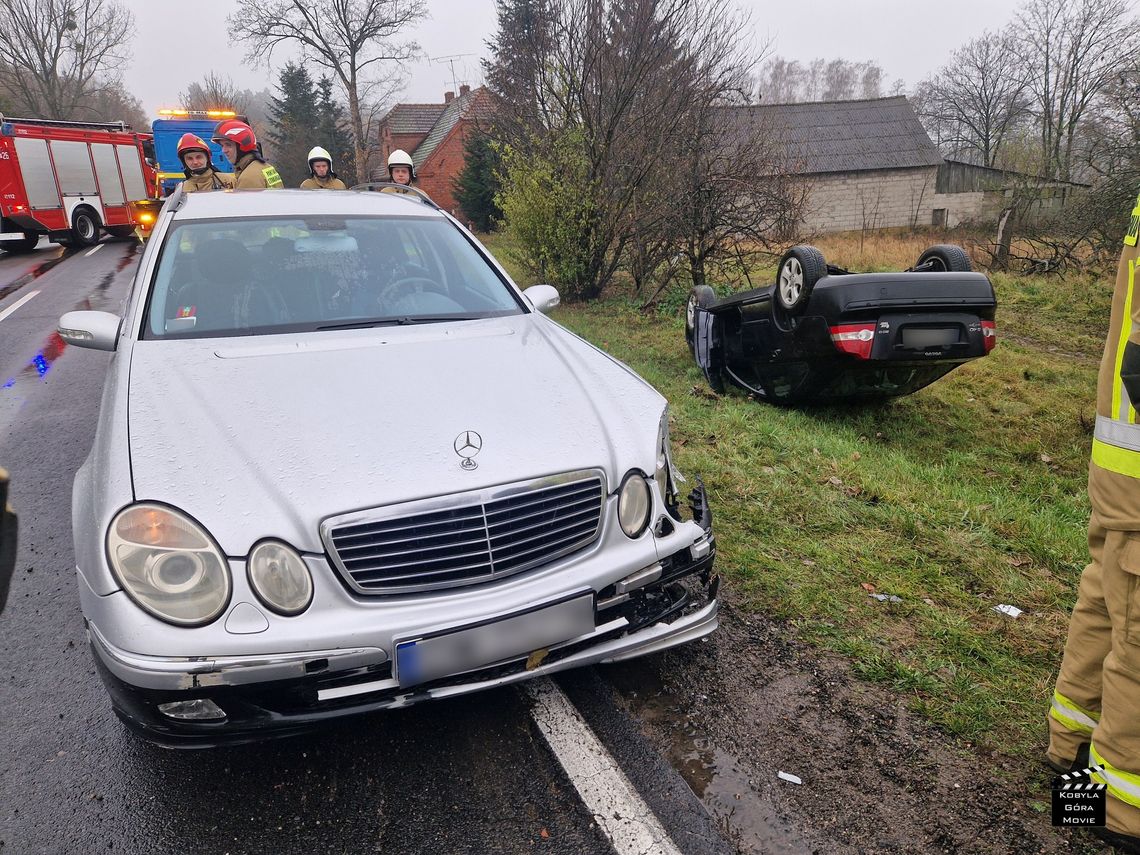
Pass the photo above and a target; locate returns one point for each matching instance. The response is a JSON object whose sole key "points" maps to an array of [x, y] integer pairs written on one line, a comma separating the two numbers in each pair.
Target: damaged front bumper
{"points": [[261, 696]]}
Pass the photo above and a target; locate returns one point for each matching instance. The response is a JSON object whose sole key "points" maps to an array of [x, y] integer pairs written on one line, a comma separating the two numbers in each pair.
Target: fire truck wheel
{"points": [[84, 227], [18, 247]]}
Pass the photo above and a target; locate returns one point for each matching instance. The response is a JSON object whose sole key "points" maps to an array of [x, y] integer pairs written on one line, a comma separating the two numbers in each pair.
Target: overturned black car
{"points": [[822, 334]]}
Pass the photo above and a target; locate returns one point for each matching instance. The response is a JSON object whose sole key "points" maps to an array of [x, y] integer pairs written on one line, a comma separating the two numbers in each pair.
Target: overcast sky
{"points": [[908, 38]]}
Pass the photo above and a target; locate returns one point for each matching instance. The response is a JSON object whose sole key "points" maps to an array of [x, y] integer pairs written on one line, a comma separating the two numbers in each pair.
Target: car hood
{"points": [[264, 436]]}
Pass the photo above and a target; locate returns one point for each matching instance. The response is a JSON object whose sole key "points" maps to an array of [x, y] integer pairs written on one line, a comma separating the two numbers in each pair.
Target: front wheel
{"points": [[84, 227], [702, 296], [945, 258], [799, 270]]}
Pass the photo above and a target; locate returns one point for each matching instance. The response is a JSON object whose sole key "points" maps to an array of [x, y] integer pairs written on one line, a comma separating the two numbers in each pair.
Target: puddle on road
{"points": [[33, 274], [747, 818], [15, 390]]}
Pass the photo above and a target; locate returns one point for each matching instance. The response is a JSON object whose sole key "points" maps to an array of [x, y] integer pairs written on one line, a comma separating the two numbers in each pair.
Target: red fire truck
{"points": [[70, 181]]}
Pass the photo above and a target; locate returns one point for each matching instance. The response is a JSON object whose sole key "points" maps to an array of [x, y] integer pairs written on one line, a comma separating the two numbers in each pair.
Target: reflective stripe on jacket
{"points": [[1114, 469]]}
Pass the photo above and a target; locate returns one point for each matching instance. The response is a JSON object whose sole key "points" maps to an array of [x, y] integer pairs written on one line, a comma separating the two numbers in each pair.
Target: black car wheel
{"points": [[122, 232], [799, 270], [945, 258], [704, 297], [84, 227]]}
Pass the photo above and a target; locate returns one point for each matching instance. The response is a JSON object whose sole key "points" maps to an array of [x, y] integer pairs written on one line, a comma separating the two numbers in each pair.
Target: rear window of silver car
{"points": [[297, 274]]}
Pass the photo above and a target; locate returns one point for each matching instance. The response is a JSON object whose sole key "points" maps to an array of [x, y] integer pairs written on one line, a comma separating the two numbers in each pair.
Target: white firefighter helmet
{"points": [[318, 153], [401, 158]]}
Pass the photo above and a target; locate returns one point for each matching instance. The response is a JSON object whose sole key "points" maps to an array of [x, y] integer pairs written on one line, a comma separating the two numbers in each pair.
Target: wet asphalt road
{"points": [[470, 775]]}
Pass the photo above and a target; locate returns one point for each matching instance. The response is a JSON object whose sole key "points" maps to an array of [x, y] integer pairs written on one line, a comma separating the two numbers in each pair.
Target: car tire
{"points": [[84, 227], [121, 232], [799, 270], [946, 258], [704, 297], [19, 247]]}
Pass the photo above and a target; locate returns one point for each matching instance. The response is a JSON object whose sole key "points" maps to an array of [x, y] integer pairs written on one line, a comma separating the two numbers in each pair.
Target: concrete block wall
{"points": [[879, 199]]}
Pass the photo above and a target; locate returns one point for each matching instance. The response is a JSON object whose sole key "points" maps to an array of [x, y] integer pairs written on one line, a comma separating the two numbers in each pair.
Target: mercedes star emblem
{"points": [[467, 445]]}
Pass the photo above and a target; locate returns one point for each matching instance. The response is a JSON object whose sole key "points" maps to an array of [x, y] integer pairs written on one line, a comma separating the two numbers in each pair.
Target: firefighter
{"points": [[239, 143], [401, 170], [199, 168], [320, 170], [1094, 716]]}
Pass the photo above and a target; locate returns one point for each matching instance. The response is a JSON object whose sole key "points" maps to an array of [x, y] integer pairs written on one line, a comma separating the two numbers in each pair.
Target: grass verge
{"points": [[964, 496]]}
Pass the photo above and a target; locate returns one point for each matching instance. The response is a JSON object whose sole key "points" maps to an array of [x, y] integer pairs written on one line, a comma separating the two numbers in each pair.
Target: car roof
{"points": [[263, 203]]}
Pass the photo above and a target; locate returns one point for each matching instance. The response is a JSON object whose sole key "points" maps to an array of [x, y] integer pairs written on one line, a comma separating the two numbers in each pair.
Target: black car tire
{"points": [[704, 297], [84, 227], [121, 232], [19, 247], [946, 258], [799, 270]]}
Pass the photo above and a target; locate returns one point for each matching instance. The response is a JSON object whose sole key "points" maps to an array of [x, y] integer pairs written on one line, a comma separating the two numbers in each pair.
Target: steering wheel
{"points": [[406, 285]]}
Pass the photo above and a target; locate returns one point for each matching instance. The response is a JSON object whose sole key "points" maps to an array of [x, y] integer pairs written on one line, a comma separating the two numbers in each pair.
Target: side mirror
{"points": [[96, 330], [7, 540], [544, 298]]}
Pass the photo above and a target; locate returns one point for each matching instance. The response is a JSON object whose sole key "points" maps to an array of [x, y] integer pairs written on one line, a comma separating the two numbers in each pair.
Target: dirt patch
{"points": [[733, 711]]}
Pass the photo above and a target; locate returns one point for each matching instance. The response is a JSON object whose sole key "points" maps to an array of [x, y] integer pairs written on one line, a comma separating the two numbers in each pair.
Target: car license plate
{"points": [[426, 659], [921, 338]]}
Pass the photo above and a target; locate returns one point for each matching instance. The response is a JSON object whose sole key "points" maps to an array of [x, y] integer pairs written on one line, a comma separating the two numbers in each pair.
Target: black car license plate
{"points": [[922, 338]]}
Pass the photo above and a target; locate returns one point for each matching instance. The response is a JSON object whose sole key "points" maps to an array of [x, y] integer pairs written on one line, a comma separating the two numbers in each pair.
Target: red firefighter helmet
{"points": [[192, 142], [237, 132]]}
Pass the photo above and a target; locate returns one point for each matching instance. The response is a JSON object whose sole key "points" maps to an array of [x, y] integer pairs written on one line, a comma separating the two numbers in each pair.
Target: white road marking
{"points": [[93, 250], [617, 808], [17, 304]]}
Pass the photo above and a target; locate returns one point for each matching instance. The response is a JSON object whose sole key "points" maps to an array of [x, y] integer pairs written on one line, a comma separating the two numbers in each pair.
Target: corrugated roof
{"points": [[473, 102], [413, 118], [842, 136]]}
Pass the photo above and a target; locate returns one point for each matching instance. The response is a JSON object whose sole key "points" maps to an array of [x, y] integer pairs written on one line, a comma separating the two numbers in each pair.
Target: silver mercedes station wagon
{"points": [[343, 463]]}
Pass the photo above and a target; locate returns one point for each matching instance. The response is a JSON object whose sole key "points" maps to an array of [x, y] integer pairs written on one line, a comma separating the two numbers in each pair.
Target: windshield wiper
{"points": [[436, 320], [360, 325], [401, 321]]}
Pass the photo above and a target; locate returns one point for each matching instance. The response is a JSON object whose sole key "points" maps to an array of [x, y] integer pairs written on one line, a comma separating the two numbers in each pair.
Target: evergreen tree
{"points": [[294, 116], [333, 132], [477, 185]]}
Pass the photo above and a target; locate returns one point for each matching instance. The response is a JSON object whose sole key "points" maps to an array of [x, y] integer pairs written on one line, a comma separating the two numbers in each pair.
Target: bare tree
{"points": [[355, 41], [977, 99], [782, 81], [214, 92], [57, 53], [1072, 48]]}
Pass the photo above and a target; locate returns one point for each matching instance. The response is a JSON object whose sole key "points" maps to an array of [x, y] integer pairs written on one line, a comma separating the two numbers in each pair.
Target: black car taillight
{"points": [[855, 339], [989, 335]]}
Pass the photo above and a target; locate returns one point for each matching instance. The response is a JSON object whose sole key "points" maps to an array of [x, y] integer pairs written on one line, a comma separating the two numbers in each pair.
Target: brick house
{"points": [[434, 135]]}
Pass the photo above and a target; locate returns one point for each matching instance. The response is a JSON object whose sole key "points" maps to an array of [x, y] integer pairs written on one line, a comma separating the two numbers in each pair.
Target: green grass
{"points": [[968, 494]]}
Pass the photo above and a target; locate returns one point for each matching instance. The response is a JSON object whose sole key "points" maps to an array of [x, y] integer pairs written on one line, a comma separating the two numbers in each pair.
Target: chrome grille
{"points": [[468, 538]]}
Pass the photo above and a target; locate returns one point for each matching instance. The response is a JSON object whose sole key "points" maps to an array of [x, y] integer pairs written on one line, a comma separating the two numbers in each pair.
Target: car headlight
{"points": [[168, 564], [634, 504], [280, 578]]}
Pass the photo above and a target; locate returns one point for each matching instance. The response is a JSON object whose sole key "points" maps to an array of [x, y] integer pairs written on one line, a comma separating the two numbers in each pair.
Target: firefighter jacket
{"points": [[329, 182], [1114, 471], [208, 180], [253, 173]]}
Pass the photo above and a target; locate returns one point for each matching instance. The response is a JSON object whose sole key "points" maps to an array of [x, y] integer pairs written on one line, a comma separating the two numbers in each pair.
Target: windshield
{"points": [[297, 274]]}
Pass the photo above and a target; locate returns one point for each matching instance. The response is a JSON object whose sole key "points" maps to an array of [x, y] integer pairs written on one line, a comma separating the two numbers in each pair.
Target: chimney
{"points": [[464, 89], [448, 97]]}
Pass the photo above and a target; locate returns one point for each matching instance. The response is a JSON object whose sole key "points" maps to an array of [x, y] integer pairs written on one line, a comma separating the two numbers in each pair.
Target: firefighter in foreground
{"points": [[1095, 716], [321, 172], [199, 168], [239, 143]]}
